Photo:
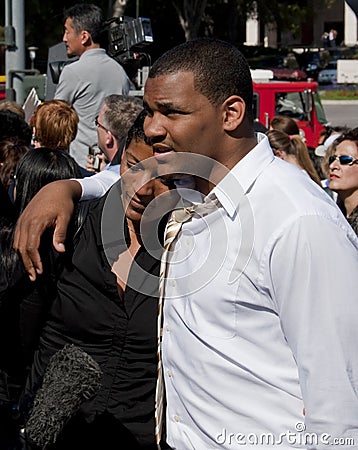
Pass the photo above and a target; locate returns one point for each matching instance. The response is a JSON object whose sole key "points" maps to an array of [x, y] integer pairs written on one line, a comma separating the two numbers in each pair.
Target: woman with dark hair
{"points": [[11, 151], [19, 296], [39, 167], [106, 305], [14, 126]]}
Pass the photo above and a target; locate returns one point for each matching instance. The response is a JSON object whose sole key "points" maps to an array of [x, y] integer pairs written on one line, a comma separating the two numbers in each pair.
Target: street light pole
{"points": [[15, 55]]}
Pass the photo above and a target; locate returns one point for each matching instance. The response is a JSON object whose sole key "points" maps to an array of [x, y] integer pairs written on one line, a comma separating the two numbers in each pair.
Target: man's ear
{"points": [[86, 38], [234, 112], [110, 139]]}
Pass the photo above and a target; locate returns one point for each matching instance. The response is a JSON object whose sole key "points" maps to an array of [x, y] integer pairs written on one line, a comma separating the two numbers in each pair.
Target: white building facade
{"points": [[339, 15]]}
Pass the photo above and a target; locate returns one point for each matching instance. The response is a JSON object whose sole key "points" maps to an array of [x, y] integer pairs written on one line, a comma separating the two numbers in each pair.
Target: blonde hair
{"points": [[293, 145], [56, 123]]}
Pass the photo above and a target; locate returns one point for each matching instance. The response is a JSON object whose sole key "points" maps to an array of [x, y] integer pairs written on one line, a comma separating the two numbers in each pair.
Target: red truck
{"points": [[297, 99]]}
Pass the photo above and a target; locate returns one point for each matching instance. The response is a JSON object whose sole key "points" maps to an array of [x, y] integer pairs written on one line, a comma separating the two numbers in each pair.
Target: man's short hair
{"points": [[88, 17], [220, 69], [120, 114]]}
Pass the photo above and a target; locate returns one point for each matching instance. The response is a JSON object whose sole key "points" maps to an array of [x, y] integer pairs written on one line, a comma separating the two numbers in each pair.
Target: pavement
{"points": [[339, 102]]}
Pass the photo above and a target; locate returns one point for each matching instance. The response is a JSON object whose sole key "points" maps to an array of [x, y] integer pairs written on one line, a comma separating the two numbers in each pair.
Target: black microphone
{"points": [[71, 377]]}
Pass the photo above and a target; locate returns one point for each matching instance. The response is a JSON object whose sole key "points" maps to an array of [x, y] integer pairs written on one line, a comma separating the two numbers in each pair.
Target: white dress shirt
{"points": [[260, 316], [98, 184]]}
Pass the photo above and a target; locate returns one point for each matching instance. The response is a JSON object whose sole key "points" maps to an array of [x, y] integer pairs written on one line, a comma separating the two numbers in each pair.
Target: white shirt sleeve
{"points": [[98, 184], [315, 290]]}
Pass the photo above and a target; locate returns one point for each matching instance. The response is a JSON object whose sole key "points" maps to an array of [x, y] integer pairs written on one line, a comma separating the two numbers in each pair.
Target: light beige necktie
{"points": [[173, 227], [177, 218]]}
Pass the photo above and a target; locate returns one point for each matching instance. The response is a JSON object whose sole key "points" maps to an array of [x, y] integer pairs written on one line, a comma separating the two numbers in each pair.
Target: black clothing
{"points": [[118, 332], [353, 220], [118, 156], [86, 173], [23, 309], [6, 207]]}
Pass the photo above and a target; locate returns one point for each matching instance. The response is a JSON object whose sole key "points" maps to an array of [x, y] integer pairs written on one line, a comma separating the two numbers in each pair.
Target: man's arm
{"points": [[97, 185], [51, 207], [313, 268]]}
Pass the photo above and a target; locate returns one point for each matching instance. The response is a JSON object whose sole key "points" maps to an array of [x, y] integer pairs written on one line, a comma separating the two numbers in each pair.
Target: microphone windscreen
{"points": [[71, 377]]}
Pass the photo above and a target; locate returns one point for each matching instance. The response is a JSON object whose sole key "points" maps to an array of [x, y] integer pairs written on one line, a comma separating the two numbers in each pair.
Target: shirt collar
{"points": [[243, 175], [92, 51], [236, 183]]}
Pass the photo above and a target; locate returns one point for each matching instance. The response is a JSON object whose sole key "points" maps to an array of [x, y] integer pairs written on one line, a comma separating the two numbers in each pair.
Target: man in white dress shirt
{"points": [[260, 312], [260, 328]]}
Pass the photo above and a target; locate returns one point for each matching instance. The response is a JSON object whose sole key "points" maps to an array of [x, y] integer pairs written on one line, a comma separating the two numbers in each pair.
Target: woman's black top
{"points": [[119, 333]]}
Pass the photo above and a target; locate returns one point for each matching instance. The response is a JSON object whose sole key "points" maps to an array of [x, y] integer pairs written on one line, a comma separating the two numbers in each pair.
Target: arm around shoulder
{"points": [[51, 207]]}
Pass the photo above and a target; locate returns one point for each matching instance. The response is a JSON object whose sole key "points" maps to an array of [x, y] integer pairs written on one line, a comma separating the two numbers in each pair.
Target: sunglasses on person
{"points": [[344, 160]]}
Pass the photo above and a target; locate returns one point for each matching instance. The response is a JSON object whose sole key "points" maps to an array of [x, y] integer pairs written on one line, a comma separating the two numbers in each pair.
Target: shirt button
{"points": [[176, 418], [167, 328], [173, 283], [170, 373]]}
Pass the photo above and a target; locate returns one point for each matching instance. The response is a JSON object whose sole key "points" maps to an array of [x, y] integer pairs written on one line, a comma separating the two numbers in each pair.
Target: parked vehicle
{"points": [[297, 99], [312, 61], [283, 67], [328, 75]]}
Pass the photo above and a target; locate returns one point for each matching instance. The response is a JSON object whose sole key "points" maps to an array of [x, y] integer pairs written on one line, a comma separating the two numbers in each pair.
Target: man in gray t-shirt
{"points": [[86, 82]]}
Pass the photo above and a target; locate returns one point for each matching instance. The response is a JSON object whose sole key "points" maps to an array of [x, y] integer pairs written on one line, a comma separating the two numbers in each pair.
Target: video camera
{"points": [[124, 39], [126, 34]]}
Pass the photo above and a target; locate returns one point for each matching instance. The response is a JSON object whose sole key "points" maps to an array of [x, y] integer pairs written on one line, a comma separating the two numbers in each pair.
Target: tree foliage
{"points": [[190, 14], [172, 22], [227, 18]]}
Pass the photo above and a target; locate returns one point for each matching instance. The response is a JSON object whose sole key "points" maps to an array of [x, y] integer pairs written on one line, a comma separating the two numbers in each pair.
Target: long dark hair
{"points": [[35, 169], [39, 167]]}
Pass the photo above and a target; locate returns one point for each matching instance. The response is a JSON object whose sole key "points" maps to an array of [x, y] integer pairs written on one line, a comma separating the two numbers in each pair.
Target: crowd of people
{"points": [[199, 267]]}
